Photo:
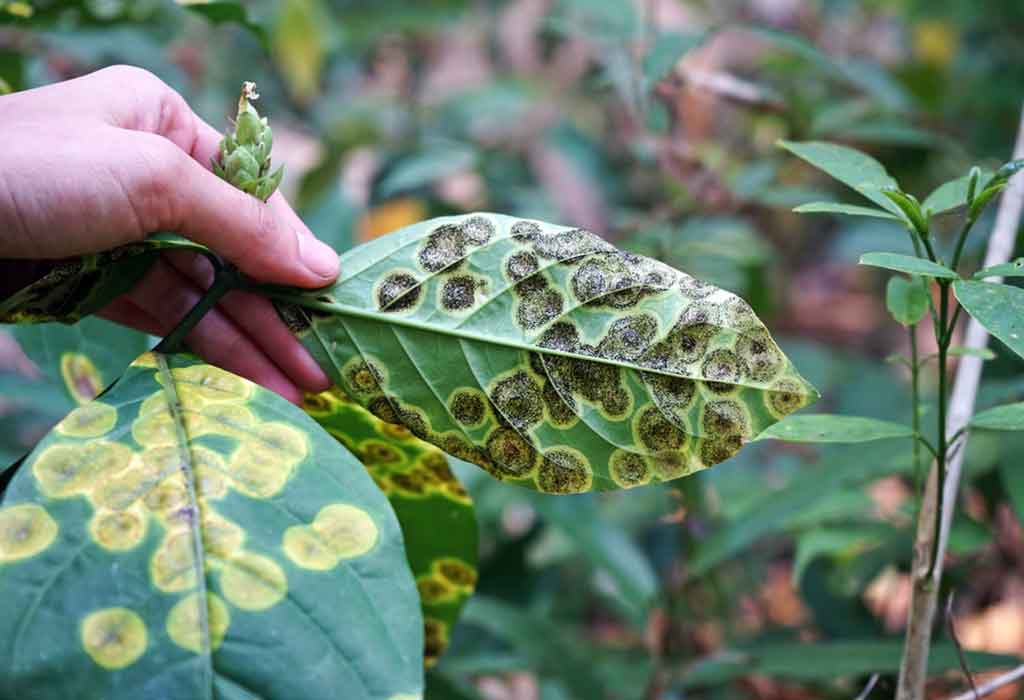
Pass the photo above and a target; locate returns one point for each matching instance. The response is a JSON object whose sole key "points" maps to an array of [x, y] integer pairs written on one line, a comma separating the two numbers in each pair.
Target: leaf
{"points": [[908, 264], [848, 209], [843, 542], [1013, 481], [998, 307], [544, 355], [963, 351], [425, 168], [953, 194], [298, 40], [174, 533], [851, 167], [1010, 269], [828, 428], [226, 12], [827, 661], [1008, 417], [434, 510], [667, 51], [907, 300]]}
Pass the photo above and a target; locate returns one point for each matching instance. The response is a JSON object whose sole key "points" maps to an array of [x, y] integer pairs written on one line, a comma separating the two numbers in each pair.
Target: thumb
{"points": [[237, 226]]}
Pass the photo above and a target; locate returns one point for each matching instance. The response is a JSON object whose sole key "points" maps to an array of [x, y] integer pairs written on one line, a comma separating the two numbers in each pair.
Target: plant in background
{"points": [[998, 307], [189, 534]]}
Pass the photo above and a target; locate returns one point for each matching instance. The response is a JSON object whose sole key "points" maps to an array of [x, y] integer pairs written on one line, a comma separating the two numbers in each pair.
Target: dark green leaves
{"points": [[954, 194], [829, 428], [1008, 417], [906, 299], [907, 263], [191, 534], [998, 307], [851, 167]]}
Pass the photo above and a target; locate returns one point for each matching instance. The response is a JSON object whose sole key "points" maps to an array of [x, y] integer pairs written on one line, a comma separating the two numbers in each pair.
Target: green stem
{"points": [[915, 403], [960, 243], [943, 340], [226, 279]]}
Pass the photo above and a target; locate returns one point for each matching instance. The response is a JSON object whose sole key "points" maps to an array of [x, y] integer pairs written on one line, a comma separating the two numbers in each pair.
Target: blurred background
{"points": [[780, 574]]}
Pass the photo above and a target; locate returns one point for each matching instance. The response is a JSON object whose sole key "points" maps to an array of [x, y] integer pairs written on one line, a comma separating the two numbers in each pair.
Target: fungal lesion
{"points": [[460, 293], [564, 470], [399, 291]]}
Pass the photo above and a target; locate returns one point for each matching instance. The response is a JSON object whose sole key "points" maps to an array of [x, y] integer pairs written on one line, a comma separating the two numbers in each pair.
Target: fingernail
{"points": [[318, 257]]}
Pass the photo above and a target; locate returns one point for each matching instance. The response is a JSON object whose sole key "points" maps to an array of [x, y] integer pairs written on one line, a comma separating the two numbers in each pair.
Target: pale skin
{"points": [[104, 160]]}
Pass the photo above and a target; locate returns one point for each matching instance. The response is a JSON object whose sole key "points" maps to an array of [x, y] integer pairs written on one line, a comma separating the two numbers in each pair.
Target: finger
{"points": [[256, 316], [174, 192], [166, 295]]}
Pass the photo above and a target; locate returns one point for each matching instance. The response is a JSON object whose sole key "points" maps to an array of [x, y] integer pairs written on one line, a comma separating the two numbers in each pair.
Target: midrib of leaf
{"points": [[188, 471], [462, 334]]}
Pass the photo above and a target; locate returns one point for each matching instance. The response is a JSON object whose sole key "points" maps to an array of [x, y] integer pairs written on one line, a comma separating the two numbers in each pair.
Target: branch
{"points": [[993, 685], [914, 665]]}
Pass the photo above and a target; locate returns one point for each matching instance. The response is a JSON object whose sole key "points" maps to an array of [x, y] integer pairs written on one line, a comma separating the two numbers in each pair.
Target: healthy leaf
{"points": [[963, 351], [998, 307], [857, 170], [1008, 417], [906, 299], [1010, 269], [166, 539], [434, 510], [908, 264], [546, 356], [828, 428], [953, 194], [848, 209]]}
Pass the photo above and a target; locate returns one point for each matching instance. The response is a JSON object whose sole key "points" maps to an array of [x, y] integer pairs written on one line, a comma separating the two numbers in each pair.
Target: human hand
{"points": [[104, 160]]}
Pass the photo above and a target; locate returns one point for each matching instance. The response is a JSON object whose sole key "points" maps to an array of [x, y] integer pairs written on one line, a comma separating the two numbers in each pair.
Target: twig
{"points": [[925, 591], [959, 649], [986, 689], [869, 687]]}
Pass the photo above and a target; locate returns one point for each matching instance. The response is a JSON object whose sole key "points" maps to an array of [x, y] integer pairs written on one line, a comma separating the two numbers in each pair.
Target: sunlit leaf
{"points": [[908, 264], [953, 194], [546, 356], [299, 39], [191, 534], [828, 428], [998, 307], [906, 299], [433, 509]]}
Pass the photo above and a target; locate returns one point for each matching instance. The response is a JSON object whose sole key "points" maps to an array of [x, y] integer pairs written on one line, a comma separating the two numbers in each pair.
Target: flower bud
{"points": [[244, 154]]}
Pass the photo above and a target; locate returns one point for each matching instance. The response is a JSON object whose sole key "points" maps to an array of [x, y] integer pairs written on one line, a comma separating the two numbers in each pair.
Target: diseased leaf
{"points": [[1010, 269], [434, 510], [848, 209], [906, 299], [998, 307], [854, 169], [162, 540], [828, 428], [1008, 417], [908, 264], [953, 194], [546, 356]]}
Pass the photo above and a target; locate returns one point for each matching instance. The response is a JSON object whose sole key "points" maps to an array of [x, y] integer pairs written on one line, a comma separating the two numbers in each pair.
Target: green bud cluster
{"points": [[244, 158]]}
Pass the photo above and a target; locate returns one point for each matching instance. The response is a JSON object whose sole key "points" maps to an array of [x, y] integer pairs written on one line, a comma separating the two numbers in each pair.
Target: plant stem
{"points": [[942, 338], [915, 403], [225, 279], [960, 242]]}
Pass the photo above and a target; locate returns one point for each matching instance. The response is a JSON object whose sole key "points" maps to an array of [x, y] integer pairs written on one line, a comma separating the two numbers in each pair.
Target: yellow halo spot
{"points": [[145, 360], [114, 637], [260, 471], [123, 490], [455, 571], [184, 624], [89, 421], [168, 497], [346, 530], [221, 537], [117, 530], [433, 589], [25, 530], [156, 426], [208, 383], [82, 379], [305, 548], [172, 566], [253, 582], [224, 419], [161, 462], [65, 470]]}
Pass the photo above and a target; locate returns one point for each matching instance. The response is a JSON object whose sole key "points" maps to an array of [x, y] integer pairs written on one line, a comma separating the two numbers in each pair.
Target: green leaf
{"points": [[1010, 269], [953, 194], [857, 170], [226, 12], [908, 264], [546, 356], [299, 40], [963, 351], [843, 543], [1013, 481], [848, 209], [906, 299], [828, 428], [158, 537], [434, 510], [827, 661], [998, 307], [1008, 417], [668, 49]]}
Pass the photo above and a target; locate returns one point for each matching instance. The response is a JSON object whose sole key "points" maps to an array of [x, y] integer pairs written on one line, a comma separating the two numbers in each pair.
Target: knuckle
{"points": [[155, 189]]}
